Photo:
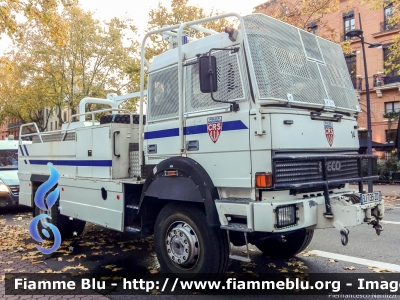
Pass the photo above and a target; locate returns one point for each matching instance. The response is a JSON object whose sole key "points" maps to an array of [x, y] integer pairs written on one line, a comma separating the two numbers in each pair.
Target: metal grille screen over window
{"points": [[163, 94], [230, 84], [288, 60]]}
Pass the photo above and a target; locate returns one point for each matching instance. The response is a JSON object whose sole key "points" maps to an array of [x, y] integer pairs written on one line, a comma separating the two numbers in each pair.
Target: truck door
{"points": [[162, 129], [215, 137]]}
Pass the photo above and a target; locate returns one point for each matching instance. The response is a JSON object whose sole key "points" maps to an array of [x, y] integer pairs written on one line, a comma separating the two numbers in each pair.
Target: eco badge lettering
{"points": [[51, 199]]}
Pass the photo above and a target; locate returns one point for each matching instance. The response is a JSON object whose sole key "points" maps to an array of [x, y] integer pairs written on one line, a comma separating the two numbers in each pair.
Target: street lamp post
{"points": [[359, 33]]}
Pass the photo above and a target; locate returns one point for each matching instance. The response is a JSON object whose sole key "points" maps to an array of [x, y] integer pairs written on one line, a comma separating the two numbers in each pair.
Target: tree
{"points": [[40, 12], [303, 13], [392, 62], [21, 97], [180, 12], [94, 61]]}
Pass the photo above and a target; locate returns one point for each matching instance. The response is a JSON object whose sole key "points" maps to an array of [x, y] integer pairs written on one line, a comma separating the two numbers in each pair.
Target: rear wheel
{"points": [[295, 243], [68, 228], [186, 245]]}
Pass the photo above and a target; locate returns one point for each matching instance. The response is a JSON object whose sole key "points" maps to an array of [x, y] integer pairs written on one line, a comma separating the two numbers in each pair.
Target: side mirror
{"points": [[208, 74]]}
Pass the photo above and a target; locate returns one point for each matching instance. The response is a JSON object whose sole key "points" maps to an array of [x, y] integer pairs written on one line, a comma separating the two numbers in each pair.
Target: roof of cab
{"points": [[169, 58]]}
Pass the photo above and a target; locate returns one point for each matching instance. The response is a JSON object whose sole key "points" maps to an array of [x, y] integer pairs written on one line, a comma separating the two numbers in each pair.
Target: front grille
{"points": [[14, 189], [320, 170]]}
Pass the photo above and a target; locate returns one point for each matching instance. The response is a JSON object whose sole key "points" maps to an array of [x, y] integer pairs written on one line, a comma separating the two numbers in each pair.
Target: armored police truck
{"points": [[250, 136]]}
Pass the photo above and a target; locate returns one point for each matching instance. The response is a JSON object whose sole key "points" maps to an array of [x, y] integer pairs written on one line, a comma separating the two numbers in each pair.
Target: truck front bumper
{"points": [[8, 199], [310, 213], [266, 216]]}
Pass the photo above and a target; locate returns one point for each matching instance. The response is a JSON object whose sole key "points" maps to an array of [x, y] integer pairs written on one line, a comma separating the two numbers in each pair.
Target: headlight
{"points": [[3, 187], [286, 216]]}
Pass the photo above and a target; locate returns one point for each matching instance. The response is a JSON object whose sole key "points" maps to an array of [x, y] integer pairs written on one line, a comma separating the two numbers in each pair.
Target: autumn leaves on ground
{"points": [[90, 252], [102, 251]]}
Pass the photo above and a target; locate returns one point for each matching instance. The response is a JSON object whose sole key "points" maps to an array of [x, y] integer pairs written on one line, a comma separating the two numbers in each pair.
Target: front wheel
{"points": [[186, 245], [295, 242]]}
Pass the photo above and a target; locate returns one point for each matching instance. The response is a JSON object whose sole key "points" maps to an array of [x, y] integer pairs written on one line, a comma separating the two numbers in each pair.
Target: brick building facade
{"points": [[10, 127], [384, 88]]}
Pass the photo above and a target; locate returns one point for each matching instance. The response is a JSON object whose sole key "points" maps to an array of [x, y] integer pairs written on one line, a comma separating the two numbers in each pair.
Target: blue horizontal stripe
{"points": [[161, 133], [233, 125], [78, 163], [189, 130], [195, 129]]}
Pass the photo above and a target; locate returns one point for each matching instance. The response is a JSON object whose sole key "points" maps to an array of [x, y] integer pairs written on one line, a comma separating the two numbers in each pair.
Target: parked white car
{"points": [[9, 182]]}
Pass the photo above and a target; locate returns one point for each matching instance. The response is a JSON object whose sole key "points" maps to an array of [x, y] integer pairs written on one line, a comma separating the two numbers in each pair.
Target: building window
{"points": [[392, 106], [391, 135], [55, 125], [47, 112], [51, 126], [284, 10], [349, 22], [392, 76], [313, 28], [388, 13], [363, 134], [65, 116], [352, 67]]}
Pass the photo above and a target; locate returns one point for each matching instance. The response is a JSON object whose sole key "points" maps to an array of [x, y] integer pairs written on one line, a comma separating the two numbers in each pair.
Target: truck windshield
{"points": [[293, 65], [9, 159]]}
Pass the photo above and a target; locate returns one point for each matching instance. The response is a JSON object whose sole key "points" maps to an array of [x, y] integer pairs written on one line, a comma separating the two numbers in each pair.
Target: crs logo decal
{"points": [[329, 132], [51, 199], [214, 128]]}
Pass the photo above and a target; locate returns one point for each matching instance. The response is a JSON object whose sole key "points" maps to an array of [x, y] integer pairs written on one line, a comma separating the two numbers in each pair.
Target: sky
{"points": [[139, 13], [105, 10]]}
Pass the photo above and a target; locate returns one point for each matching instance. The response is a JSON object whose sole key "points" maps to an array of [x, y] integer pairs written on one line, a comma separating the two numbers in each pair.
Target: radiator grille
{"points": [[14, 189], [297, 171]]}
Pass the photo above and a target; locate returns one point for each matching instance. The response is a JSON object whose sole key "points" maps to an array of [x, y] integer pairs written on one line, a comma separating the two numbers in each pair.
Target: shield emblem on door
{"points": [[329, 132], [214, 128]]}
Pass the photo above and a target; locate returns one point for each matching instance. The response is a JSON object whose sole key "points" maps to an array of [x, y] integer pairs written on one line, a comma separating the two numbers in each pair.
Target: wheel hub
{"points": [[182, 245]]}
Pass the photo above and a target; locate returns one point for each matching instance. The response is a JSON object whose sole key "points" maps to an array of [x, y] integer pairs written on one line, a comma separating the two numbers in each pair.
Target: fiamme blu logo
{"points": [[51, 199]]}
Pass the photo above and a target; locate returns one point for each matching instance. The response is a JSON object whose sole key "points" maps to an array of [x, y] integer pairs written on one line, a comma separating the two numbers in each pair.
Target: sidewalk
{"points": [[13, 235]]}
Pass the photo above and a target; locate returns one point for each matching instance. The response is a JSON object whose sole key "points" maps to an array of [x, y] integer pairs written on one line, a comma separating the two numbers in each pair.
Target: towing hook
{"points": [[378, 227], [344, 236]]}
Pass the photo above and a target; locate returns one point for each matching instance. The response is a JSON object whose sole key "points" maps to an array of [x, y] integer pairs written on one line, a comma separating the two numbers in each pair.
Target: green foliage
{"points": [[179, 12], [392, 116], [42, 13], [92, 62], [387, 168]]}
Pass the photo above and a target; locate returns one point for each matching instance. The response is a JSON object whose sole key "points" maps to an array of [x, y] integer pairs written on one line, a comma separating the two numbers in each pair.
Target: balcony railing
{"points": [[12, 125], [385, 26], [382, 80]]}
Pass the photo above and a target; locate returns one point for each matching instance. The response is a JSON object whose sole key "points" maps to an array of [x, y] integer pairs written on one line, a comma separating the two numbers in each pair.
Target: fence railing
{"points": [[382, 80]]}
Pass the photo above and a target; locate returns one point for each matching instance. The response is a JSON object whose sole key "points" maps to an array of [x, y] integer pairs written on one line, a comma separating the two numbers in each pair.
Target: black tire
{"points": [[295, 243], [68, 228], [122, 119], [212, 249]]}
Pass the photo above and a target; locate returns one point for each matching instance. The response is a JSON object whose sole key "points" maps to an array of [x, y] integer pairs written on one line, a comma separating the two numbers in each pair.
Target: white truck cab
{"points": [[250, 136]]}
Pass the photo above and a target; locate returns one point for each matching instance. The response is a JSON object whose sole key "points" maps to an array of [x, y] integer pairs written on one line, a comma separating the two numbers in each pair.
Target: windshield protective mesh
{"points": [[291, 61]]}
